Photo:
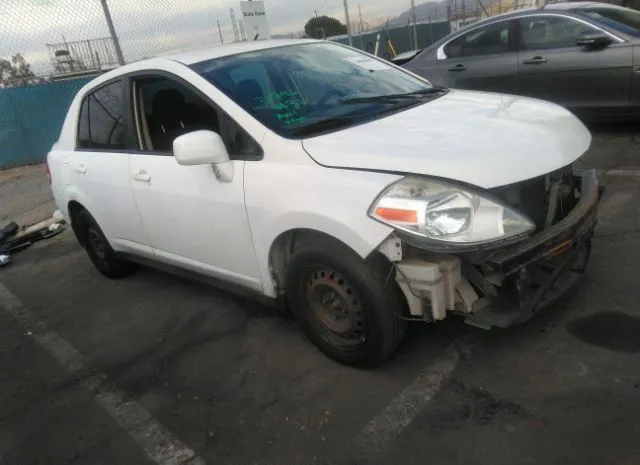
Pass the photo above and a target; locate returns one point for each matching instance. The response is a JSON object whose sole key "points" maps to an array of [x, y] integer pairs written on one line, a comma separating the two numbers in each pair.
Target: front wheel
{"points": [[345, 305]]}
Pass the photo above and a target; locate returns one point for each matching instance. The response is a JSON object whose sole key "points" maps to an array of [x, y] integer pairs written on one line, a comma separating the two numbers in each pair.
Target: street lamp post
{"points": [[112, 31]]}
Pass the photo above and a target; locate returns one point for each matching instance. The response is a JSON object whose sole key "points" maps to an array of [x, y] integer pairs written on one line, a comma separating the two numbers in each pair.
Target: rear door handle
{"points": [[459, 67], [535, 61], [142, 176], [81, 169]]}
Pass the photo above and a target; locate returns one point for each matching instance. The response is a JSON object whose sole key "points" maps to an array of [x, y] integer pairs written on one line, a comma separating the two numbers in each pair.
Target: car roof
{"points": [[573, 5], [562, 6], [210, 53]]}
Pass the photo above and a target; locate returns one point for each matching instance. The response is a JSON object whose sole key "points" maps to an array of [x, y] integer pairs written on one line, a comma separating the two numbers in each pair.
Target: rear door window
{"points": [[101, 124]]}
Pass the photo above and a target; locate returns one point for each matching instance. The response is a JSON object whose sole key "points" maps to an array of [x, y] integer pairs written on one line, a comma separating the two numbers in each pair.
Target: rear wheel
{"points": [[103, 257], [344, 305]]}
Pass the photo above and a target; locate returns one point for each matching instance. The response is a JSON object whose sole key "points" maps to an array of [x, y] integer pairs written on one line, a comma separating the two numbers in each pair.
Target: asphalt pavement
{"points": [[156, 369]]}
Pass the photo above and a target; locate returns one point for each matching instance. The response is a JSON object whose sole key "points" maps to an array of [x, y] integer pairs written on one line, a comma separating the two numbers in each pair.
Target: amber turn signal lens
{"points": [[395, 214]]}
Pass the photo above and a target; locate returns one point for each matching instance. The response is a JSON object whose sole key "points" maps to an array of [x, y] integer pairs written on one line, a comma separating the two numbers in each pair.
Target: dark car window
{"points": [[101, 119], [622, 19], [488, 40], [546, 32], [84, 136]]}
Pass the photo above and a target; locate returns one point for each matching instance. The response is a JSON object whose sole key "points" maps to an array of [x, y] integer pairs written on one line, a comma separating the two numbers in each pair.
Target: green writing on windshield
{"points": [[287, 103]]}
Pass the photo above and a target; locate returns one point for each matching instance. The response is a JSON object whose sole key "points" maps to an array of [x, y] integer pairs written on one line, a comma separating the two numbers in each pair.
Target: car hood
{"points": [[479, 138]]}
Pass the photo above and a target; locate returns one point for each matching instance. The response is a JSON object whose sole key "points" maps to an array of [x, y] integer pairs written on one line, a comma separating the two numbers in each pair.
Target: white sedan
{"points": [[323, 178]]}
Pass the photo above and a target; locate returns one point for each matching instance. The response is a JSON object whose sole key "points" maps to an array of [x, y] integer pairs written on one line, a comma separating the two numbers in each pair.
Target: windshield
{"points": [[316, 86], [621, 19]]}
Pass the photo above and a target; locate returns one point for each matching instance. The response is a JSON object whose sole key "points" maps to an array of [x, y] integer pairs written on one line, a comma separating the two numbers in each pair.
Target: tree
{"points": [[321, 27], [16, 72]]}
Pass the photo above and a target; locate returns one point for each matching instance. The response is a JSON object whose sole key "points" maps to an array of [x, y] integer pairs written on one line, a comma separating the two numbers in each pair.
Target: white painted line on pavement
{"points": [[621, 173], [153, 438], [384, 428]]}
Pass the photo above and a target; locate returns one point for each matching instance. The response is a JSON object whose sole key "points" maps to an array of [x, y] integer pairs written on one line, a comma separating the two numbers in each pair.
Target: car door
{"points": [[551, 66], [483, 58], [193, 219], [99, 168]]}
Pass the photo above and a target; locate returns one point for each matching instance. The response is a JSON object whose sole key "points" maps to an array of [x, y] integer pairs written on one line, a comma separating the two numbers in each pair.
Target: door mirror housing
{"points": [[200, 148], [204, 148], [593, 39]]}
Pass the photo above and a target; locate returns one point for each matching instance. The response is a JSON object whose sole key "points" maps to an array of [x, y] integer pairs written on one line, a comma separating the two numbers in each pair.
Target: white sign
{"points": [[256, 26]]}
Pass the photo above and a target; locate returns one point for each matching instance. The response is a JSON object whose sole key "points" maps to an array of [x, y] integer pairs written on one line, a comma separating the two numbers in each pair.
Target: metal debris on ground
{"points": [[14, 238]]}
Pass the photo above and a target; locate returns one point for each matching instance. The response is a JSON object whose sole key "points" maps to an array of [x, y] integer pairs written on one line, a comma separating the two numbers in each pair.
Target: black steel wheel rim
{"points": [[97, 242], [335, 309]]}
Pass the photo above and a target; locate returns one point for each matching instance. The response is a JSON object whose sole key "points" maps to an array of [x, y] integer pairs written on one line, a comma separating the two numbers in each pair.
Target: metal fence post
{"points": [[415, 26], [346, 17], [112, 31]]}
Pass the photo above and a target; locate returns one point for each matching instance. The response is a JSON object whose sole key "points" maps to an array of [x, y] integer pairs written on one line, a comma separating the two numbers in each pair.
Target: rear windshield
{"points": [[290, 87], [618, 18]]}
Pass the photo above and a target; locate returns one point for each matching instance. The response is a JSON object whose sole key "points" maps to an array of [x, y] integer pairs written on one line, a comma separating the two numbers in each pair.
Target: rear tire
{"points": [[103, 257], [344, 304]]}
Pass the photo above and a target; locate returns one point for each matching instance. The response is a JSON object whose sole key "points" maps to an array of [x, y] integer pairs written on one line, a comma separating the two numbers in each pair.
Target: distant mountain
{"points": [[440, 11]]}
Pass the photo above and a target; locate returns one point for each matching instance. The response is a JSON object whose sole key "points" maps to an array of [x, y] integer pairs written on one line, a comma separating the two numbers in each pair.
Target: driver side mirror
{"points": [[204, 148], [593, 39]]}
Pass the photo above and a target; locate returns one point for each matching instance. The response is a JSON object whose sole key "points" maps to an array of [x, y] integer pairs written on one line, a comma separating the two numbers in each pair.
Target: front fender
{"points": [[281, 198]]}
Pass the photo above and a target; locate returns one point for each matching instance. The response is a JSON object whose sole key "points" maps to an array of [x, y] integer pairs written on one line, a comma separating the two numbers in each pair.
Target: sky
{"points": [[151, 27]]}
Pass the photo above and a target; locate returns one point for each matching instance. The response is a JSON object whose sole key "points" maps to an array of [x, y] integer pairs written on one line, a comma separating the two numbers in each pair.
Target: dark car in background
{"points": [[582, 55]]}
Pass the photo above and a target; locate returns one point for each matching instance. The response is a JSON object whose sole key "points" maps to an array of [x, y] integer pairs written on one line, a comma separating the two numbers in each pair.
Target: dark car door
{"points": [[484, 58], [551, 66]]}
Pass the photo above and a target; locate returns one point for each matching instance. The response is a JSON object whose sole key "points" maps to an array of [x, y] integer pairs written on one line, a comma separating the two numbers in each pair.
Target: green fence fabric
{"points": [[31, 118]]}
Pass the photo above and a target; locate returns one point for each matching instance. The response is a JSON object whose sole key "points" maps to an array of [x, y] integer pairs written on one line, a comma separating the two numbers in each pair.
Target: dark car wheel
{"points": [[100, 252], [343, 303]]}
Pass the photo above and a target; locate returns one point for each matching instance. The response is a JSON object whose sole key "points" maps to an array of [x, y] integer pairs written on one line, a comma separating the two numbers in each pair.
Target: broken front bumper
{"points": [[537, 271]]}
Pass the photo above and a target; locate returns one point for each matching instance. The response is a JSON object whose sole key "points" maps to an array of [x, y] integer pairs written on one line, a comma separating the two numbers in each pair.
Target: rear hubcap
{"points": [[336, 309]]}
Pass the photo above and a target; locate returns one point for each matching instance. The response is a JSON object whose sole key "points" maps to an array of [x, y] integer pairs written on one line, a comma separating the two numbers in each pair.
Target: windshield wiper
{"points": [[394, 98], [335, 122]]}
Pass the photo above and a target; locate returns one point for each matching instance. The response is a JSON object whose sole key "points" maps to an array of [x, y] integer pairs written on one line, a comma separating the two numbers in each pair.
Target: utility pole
{"points": [[346, 16], [243, 36], [415, 26], [360, 14], [112, 31], [233, 24], [220, 32]]}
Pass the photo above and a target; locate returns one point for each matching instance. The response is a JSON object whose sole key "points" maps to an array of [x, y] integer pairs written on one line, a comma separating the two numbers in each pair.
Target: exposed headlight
{"points": [[447, 214]]}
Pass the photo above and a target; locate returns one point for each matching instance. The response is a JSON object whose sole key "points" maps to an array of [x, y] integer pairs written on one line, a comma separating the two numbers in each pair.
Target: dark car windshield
{"points": [[302, 86], [621, 19]]}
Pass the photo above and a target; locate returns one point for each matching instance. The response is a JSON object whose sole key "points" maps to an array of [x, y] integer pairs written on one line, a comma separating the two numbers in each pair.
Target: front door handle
{"points": [[81, 169], [458, 67], [142, 176], [535, 61]]}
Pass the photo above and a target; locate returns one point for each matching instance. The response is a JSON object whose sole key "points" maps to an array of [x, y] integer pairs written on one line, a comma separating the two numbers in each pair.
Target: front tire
{"points": [[103, 257], [344, 304]]}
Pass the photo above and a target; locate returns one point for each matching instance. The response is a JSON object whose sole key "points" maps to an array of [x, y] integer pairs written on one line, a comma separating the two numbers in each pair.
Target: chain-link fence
{"points": [[50, 48]]}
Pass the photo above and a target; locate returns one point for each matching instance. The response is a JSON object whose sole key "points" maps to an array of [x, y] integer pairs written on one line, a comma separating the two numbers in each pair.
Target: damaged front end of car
{"points": [[513, 251]]}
